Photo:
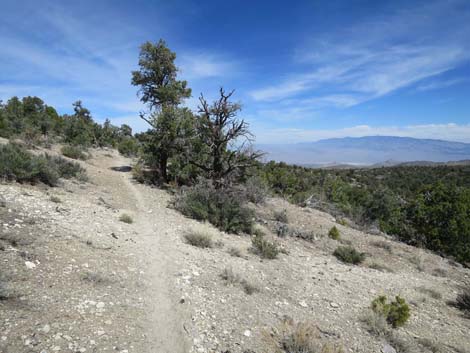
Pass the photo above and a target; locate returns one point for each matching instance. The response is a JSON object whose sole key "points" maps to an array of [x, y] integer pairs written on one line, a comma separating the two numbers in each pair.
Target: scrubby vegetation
{"points": [[396, 312], [32, 120], [73, 152], [55, 199], [199, 239], [126, 218], [462, 301], [264, 248], [222, 207], [299, 337], [232, 278], [18, 164], [281, 216], [421, 205], [333, 233], [349, 255]]}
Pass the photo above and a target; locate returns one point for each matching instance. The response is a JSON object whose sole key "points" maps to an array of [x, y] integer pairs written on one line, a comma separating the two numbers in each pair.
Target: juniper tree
{"points": [[162, 93]]}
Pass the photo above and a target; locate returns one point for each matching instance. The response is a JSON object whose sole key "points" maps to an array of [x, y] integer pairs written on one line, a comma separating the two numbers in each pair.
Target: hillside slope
{"points": [[79, 280]]}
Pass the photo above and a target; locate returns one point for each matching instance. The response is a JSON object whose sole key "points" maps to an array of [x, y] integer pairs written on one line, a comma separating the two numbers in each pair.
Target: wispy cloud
{"points": [[373, 59], [451, 131], [438, 84], [198, 66]]}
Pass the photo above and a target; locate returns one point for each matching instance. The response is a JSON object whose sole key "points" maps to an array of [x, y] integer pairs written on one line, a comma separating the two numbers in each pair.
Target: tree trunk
{"points": [[163, 162]]}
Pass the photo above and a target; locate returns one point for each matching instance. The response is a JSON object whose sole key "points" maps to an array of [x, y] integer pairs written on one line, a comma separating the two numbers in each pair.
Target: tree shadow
{"points": [[123, 169]]}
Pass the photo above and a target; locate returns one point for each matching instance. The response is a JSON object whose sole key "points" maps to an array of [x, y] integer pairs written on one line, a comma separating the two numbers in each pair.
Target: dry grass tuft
{"points": [[382, 244], [430, 292], [232, 278], [55, 199], [380, 267], [281, 216], [199, 239], [264, 248], [302, 337], [126, 218], [235, 252]]}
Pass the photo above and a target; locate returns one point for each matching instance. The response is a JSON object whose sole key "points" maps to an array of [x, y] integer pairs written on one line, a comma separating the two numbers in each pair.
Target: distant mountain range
{"points": [[367, 151]]}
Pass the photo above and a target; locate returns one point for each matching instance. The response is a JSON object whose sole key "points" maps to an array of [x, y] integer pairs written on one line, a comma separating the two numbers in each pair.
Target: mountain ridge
{"points": [[368, 150]]}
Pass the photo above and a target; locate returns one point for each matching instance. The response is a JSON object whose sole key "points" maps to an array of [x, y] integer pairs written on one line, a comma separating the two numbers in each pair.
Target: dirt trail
{"points": [[164, 324]]}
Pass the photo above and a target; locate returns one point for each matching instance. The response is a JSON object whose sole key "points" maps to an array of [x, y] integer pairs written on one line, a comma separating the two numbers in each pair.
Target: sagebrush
{"points": [[348, 254], [264, 248], [73, 152], [222, 207], [18, 164], [199, 239]]}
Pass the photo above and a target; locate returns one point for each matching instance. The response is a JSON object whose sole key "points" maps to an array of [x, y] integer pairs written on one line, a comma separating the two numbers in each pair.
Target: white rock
{"points": [[100, 305], [388, 349], [30, 265], [247, 333], [303, 304], [334, 305]]}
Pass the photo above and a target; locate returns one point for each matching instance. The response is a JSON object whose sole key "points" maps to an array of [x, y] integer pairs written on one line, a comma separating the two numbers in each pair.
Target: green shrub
{"points": [[18, 164], [73, 152], [264, 248], [128, 147], [199, 239], [222, 207], [334, 233], [348, 254], [126, 218], [281, 216], [396, 313], [66, 169]]}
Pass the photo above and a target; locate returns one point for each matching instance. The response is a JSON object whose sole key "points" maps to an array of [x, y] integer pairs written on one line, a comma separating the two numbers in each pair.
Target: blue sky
{"points": [[303, 70]]}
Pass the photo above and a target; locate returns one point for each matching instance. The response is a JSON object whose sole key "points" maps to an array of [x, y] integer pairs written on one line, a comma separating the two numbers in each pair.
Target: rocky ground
{"points": [[73, 278]]}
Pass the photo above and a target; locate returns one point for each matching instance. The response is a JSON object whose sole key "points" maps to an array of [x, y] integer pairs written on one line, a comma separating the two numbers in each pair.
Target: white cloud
{"points": [[450, 131], [437, 84], [197, 66], [375, 58]]}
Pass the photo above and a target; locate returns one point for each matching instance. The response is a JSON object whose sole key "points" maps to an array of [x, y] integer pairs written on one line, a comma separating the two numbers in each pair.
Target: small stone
{"points": [[334, 305], [388, 349], [303, 304], [46, 328], [100, 305], [30, 265], [247, 333]]}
